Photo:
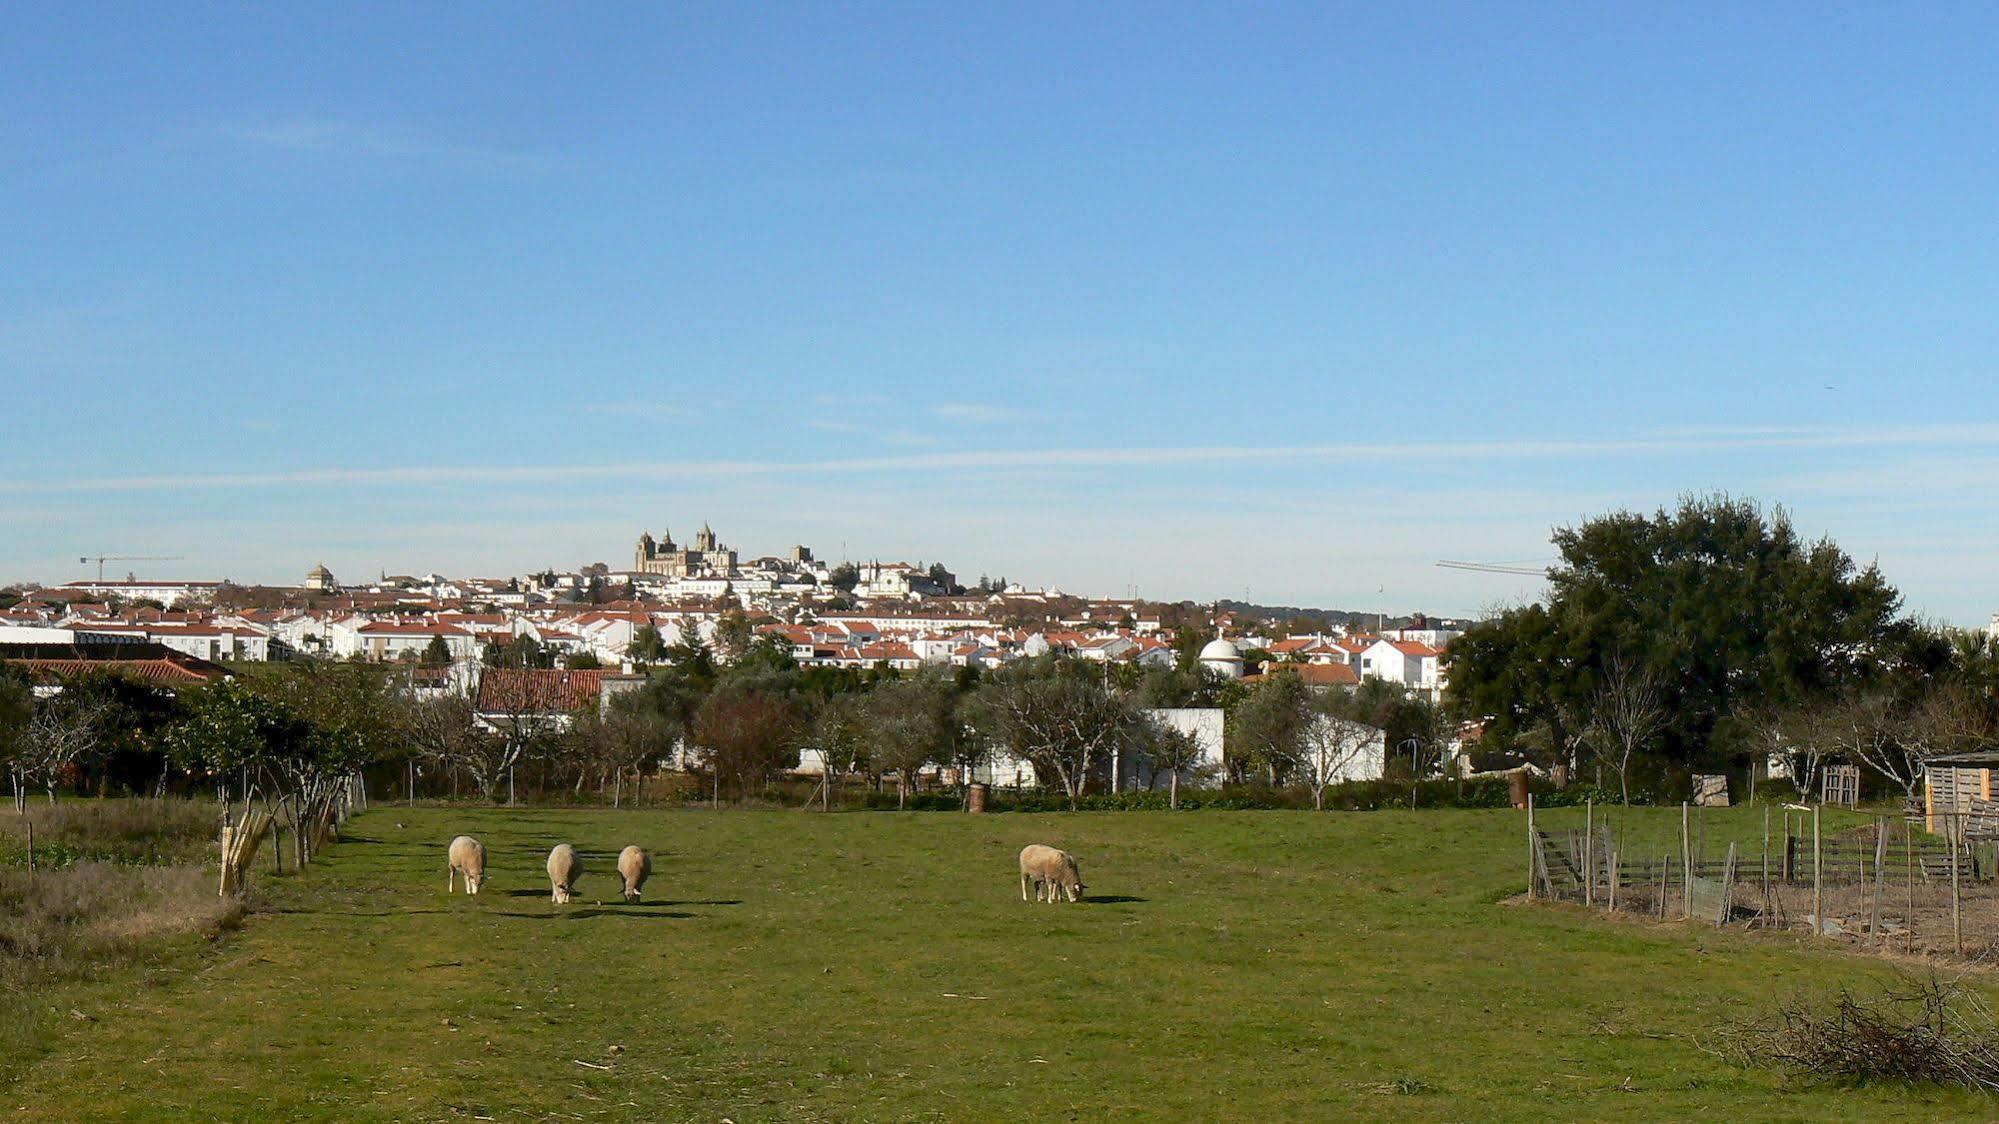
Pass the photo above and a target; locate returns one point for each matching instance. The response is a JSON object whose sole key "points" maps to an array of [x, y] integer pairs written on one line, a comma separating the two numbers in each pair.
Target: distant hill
{"points": [[1348, 618]]}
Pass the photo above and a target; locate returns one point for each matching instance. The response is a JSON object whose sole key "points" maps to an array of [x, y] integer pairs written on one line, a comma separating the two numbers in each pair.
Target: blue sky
{"points": [[1291, 300]]}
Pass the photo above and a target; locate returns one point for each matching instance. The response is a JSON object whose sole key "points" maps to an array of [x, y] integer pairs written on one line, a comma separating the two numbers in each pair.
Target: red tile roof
{"points": [[539, 690], [163, 672]]}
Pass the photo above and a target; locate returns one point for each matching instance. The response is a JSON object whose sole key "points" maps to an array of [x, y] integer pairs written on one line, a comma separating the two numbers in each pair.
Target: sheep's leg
{"points": [[1023, 885], [450, 879]]}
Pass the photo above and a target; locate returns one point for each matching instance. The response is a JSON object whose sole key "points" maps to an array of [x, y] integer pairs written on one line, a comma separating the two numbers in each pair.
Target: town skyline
{"points": [[1294, 304]]}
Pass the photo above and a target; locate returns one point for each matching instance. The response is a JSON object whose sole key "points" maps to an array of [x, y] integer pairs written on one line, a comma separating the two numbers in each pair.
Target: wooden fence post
{"points": [[1956, 914], [1880, 862], [1615, 873], [1766, 862], [31, 850], [1818, 883], [1533, 847], [1686, 865], [1589, 850]]}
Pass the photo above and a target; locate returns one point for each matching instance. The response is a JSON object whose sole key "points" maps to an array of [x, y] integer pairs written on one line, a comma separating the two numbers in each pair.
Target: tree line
{"points": [[1712, 637]]}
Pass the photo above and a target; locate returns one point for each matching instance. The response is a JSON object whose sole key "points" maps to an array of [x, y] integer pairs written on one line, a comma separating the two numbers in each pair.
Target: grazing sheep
{"points": [[467, 858], [564, 868], [634, 866], [1057, 870]]}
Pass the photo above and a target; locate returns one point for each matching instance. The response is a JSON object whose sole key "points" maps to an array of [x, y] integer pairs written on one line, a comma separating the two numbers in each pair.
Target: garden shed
{"points": [[1954, 781]]}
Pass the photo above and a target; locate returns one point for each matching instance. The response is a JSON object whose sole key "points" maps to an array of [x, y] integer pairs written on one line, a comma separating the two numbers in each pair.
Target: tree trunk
{"points": [[1173, 791], [1318, 798]]}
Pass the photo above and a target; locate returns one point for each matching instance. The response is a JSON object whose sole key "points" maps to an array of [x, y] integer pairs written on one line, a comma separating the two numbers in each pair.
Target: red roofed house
{"points": [[1413, 664]]}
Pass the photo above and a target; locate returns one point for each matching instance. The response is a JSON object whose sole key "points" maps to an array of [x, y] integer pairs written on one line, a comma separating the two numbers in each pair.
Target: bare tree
{"points": [[840, 734], [908, 724], [63, 732], [1067, 725], [1865, 727], [528, 711], [1945, 718], [1267, 728], [749, 732], [1172, 751], [1332, 742], [1625, 714], [1794, 736]]}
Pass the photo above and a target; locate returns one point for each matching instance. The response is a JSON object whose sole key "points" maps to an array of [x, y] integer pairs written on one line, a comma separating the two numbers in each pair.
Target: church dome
{"points": [[1222, 656]]}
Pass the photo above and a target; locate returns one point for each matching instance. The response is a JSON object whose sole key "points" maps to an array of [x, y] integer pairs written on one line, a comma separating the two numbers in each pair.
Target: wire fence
{"points": [[1915, 884]]}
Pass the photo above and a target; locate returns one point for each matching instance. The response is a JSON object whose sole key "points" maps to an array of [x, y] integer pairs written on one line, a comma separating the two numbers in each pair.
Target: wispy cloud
{"points": [[1967, 435], [977, 412], [903, 437]]}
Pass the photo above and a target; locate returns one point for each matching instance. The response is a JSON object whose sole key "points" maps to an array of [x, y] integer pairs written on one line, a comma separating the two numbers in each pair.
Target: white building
{"points": [[1205, 724], [1414, 665], [1222, 658]]}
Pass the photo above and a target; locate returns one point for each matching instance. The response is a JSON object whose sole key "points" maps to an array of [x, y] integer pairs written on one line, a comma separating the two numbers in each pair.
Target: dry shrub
{"points": [[1929, 1030], [122, 831], [64, 921]]}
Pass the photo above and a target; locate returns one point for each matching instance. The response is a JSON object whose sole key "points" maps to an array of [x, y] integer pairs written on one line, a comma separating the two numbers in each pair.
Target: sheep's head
{"points": [[631, 892]]}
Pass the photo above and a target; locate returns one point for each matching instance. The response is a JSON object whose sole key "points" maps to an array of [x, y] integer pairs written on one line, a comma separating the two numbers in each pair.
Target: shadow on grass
{"points": [[719, 901], [1113, 899], [323, 911], [580, 914]]}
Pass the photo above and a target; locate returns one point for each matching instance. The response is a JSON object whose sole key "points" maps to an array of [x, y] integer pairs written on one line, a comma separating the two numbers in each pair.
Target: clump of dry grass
{"points": [[1928, 1030], [59, 922], [158, 832]]}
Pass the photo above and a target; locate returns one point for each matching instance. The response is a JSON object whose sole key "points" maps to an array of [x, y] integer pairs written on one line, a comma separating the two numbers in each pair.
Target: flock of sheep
{"points": [[1052, 871]]}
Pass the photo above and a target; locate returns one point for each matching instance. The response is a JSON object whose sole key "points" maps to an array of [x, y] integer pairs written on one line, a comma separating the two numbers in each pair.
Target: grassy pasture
{"points": [[788, 965]]}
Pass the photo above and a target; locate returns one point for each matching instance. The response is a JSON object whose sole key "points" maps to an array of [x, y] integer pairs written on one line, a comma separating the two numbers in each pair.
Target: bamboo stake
{"points": [[228, 860], [1614, 873], [31, 850], [1664, 858]]}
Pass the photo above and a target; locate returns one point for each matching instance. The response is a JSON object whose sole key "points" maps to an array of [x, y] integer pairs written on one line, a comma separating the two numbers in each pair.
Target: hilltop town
{"points": [[866, 614]]}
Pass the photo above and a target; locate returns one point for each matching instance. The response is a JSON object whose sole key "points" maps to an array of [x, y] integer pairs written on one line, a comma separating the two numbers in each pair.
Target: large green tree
{"points": [[1726, 606]]}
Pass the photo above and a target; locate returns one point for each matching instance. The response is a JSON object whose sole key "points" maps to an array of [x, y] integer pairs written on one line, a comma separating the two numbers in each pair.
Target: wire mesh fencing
{"points": [[1916, 885]]}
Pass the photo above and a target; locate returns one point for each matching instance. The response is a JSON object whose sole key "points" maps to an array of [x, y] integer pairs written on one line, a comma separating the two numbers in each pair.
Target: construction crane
{"points": [[101, 559], [1495, 568]]}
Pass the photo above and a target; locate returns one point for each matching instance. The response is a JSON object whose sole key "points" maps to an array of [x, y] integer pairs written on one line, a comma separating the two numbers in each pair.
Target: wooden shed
{"points": [[1952, 782]]}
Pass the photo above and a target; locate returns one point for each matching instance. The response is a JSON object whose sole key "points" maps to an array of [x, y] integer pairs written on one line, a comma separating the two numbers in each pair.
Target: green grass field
{"points": [[788, 965]]}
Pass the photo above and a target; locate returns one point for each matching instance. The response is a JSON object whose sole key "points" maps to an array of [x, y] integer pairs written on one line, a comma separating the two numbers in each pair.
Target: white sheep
{"points": [[634, 866], [1056, 870], [564, 868], [466, 858]]}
